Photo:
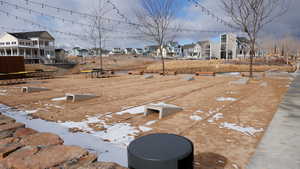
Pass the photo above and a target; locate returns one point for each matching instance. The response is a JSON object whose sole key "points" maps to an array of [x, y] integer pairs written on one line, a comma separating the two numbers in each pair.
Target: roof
{"points": [[188, 46], [28, 35], [152, 46], [243, 40], [203, 42]]}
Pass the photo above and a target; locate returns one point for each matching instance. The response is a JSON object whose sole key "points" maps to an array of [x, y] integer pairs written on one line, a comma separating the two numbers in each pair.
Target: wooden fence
{"points": [[10, 64]]}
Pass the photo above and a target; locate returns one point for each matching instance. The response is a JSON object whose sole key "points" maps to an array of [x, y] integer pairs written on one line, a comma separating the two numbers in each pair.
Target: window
{"points": [[7, 43], [21, 43], [13, 43], [2, 44], [46, 43]]}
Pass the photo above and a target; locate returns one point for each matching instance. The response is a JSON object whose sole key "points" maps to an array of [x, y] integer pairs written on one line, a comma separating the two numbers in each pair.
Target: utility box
{"points": [[161, 151]]}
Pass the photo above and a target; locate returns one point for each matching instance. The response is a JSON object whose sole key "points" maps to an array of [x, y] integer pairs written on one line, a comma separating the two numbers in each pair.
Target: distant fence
{"points": [[10, 64]]}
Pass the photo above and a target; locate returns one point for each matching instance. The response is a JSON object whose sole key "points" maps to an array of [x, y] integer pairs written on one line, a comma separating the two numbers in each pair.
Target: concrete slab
{"points": [[189, 78], [148, 76], [162, 109], [33, 89], [79, 97], [280, 146]]}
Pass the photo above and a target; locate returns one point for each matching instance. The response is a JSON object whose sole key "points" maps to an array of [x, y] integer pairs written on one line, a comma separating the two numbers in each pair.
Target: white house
{"points": [[36, 47], [138, 51], [77, 51]]}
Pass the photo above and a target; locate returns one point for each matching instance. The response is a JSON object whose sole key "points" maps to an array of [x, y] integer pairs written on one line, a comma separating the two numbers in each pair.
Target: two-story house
{"points": [[35, 47]]}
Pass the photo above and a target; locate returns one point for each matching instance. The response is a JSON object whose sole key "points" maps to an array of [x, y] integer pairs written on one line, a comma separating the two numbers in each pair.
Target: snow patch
{"points": [[195, 118], [149, 123], [264, 84], [31, 111], [145, 129], [118, 133], [162, 104], [134, 110], [59, 99], [250, 131], [216, 117], [3, 92], [223, 99]]}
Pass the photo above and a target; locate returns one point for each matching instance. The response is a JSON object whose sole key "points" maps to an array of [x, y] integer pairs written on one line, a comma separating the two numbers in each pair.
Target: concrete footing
{"points": [[162, 109], [79, 97], [33, 89], [189, 78], [148, 76]]}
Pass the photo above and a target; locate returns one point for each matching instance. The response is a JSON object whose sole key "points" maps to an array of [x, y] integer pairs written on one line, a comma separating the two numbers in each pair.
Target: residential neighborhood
{"points": [[149, 84]]}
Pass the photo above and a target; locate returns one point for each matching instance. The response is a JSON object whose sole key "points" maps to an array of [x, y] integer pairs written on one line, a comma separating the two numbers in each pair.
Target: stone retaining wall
{"points": [[25, 148]]}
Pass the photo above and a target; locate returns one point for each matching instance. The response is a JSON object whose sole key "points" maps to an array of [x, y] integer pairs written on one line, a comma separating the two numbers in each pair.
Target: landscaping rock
{"points": [[22, 132], [41, 139], [102, 165], [53, 156], [7, 130]]}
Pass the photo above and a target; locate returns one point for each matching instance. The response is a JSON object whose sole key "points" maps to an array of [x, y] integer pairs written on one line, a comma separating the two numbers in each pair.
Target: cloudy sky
{"points": [[12, 17]]}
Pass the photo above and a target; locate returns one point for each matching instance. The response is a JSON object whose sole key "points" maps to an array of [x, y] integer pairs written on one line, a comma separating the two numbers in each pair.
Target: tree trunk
{"points": [[162, 60], [252, 55]]}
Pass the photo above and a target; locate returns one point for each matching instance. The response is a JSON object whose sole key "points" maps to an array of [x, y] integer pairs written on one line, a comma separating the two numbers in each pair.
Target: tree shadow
{"points": [[209, 160]]}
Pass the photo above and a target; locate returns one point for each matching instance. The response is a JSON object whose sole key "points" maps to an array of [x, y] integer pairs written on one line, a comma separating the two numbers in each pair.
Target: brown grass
{"points": [[192, 66]]}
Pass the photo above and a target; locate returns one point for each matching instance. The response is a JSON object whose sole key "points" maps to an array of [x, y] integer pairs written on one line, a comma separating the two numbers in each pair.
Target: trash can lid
{"points": [[161, 147]]}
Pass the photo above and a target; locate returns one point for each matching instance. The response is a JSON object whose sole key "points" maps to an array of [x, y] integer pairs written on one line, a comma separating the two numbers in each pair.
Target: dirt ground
{"points": [[216, 146]]}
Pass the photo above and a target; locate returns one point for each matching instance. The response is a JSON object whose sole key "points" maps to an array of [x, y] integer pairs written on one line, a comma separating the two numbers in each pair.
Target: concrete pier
{"points": [[162, 109], [33, 89], [79, 97]]}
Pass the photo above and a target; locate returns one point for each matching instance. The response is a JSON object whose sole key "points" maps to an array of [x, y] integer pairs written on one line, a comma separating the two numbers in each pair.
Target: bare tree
{"points": [[98, 31], [156, 19], [252, 15]]}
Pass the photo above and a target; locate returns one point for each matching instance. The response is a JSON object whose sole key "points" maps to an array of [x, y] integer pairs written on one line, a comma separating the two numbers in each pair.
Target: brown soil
{"points": [[255, 107]]}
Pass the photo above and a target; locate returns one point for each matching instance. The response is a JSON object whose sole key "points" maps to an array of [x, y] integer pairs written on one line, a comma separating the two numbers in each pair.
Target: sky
{"points": [[188, 16]]}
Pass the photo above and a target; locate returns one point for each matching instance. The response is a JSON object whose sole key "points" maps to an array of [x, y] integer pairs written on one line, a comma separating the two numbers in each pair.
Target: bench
{"points": [[136, 72], [205, 73]]}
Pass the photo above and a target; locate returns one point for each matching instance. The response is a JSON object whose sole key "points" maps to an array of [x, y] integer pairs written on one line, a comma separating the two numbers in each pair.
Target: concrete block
{"points": [[189, 78], [79, 97], [33, 89], [148, 76], [162, 109]]}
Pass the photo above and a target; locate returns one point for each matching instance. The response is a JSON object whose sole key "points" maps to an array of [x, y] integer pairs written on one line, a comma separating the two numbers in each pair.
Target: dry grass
{"points": [[192, 66], [33, 67]]}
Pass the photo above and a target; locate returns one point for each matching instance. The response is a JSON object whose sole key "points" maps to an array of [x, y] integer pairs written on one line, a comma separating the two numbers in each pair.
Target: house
{"points": [[60, 55], [96, 52], [173, 49], [243, 49], [151, 50], [116, 51], [128, 51], [138, 51], [188, 50], [228, 46], [77, 51], [35, 47]]}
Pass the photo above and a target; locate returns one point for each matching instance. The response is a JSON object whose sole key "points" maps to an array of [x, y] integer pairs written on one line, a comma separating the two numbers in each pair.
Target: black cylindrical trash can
{"points": [[161, 151]]}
